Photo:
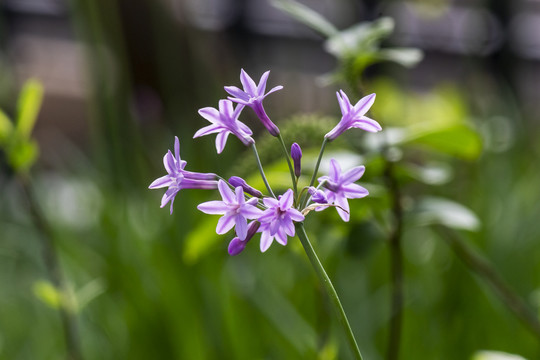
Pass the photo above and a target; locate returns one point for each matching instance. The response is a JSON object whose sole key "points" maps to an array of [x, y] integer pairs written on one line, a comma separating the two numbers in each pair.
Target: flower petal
{"points": [[225, 224], [262, 83], [274, 89], [344, 210], [363, 105], [286, 200], [211, 114], [266, 240], [240, 200], [241, 226], [169, 194], [267, 216], [177, 149], [352, 175], [169, 162], [354, 191], [161, 182], [270, 202], [210, 129], [247, 82], [251, 212], [213, 207], [335, 170], [344, 103], [237, 93], [288, 227], [281, 237], [226, 193], [236, 113], [367, 124], [221, 140], [295, 215]]}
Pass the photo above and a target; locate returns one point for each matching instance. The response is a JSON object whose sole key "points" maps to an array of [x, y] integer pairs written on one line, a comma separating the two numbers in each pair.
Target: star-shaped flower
{"points": [[277, 220], [353, 116], [340, 187], [225, 122], [234, 208], [253, 96], [177, 178]]}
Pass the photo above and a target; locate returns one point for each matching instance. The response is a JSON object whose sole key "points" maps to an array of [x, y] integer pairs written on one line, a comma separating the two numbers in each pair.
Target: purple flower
{"points": [[340, 187], [236, 246], [353, 116], [234, 208], [277, 220], [225, 122], [177, 178], [238, 181], [253, 96], [317, 196], [296, 155]]}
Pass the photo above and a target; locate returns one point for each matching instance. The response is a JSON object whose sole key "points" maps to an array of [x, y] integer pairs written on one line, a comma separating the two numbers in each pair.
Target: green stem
{"points": [[325, 280], [259, 165], [291, 169], [316, 170]]}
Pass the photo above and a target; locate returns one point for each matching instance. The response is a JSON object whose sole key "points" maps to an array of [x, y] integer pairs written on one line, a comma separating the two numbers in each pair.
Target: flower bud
{"points": [[238, 181], [296, 155], [236, 246], [317, 196]]}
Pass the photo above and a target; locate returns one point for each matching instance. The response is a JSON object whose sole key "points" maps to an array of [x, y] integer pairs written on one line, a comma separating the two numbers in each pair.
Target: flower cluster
{"points": [[247, 209]]}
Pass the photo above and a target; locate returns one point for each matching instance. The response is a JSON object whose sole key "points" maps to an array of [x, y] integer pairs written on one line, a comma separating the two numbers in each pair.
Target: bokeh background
{"points": [[122, 78]]}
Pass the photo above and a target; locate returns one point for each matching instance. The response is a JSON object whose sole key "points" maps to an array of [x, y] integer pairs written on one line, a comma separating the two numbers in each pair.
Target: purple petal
{"points": [[344, 103], [335, 170], [241, 226], [295, 215], [353, 175], [367, 124], [267, 215], [239, 195], [225, 224], [226, 193], [225, 110], [198, 176], [281, 237], [161, 182], [286, 200], [363, 105], [250, 212], [177, 148], [354, 191], [211, 114], [288, 227], [266, 240], [198, 184], [237, 93], [262, 83], [169, 194], [169, 163], [221, 141], [171, 208], [274, 89], [239, 101], [237, 111], [342, 201], [210, 129], [270, 202], [213, 207], [247, 82]]}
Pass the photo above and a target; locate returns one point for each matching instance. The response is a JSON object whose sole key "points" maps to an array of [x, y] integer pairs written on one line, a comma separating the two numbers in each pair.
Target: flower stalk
{"points": [[259, 165], [291, 169], [329, 287]]}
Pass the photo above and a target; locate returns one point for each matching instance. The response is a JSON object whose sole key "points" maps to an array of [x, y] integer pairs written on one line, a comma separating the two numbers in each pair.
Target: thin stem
{"points": [[54, 270], [481, 267], [291, 169], [259, 165], [396, 264], [316, 170], [325, 280]]}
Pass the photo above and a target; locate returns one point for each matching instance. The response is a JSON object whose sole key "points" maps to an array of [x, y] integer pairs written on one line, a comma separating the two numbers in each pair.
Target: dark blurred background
{"points": [[122, 78]]}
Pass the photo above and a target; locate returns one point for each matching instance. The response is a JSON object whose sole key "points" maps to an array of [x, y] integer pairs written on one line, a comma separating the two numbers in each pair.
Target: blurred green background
{"points": [[122, 78]]}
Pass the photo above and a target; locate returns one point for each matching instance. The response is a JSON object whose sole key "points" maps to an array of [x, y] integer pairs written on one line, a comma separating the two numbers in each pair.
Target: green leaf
{"points": [[459, 140], [359, 39], [434, 210], [47, 293], [306, 16], [495, 355], [23, 154], [28, 107], [408, 57], [6, 128]]}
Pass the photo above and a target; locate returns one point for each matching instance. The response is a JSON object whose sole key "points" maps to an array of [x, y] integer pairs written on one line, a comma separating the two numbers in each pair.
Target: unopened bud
{"points": [[236, 246], [238, 181], [296, 155], [317, 196]]}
